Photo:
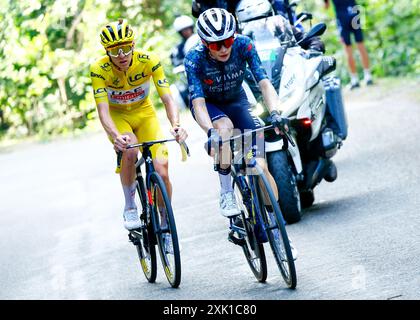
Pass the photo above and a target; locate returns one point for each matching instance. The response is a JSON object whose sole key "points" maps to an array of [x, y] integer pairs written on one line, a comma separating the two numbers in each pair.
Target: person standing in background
{"points": [[199, 6], [184, 25], [348, 22]]}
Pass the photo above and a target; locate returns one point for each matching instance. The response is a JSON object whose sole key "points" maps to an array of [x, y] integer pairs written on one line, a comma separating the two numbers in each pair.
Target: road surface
{"points": [[62, 233]]}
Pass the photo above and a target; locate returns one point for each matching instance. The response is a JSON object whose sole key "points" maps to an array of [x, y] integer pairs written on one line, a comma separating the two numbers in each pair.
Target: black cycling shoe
{"points": [[354, 85], [332, 173], [369, 82]]}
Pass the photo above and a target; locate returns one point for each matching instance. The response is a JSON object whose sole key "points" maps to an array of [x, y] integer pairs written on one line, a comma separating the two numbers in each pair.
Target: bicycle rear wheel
{"points": [[276, 231], [253, 250], [165, 230], [144, 239]]}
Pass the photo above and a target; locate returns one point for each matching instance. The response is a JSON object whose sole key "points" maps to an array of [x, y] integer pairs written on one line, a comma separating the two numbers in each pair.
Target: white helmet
{"points": [[215, 24], [183, 22], [248, 10]]}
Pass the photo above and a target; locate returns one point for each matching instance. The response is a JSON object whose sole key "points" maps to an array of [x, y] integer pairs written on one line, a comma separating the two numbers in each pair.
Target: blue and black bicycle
{"points": [[261, 218]]}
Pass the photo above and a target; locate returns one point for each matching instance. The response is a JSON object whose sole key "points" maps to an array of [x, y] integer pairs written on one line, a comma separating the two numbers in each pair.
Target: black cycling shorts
{"points": [[239, 112], [348, 24]]}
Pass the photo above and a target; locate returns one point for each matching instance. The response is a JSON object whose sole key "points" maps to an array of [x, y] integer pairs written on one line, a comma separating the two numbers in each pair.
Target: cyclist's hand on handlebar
{"points": [[214, 141], [280, 123], [179, 133], [121, 142]]}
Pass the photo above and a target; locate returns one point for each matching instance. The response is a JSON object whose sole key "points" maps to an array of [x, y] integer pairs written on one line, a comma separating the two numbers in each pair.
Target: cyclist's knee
{"points": [[133, 138], [130, 155], [162, 169], [224, 127], [263, 164]]}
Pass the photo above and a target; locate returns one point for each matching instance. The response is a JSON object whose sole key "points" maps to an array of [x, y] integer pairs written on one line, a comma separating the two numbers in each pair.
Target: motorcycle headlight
{"points": [[258, 110]]}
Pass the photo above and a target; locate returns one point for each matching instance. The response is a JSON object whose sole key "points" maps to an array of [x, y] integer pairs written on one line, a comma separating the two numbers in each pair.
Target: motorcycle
{"points": [[312, 101]]}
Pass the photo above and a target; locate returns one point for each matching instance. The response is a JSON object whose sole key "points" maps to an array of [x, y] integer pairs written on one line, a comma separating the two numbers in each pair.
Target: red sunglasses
{"points": [[216, 46]]}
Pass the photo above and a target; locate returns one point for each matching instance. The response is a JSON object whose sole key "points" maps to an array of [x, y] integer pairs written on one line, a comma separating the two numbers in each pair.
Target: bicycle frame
{"points": [[250, 200], [248, 187], [149, 168]]}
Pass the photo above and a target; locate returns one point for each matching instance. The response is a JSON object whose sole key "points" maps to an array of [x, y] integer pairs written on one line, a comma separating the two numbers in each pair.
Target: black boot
{"points": [[332, 173]]}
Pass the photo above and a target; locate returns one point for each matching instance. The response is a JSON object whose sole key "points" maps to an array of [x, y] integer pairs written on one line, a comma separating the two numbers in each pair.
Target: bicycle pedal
{"points": [[133, 239], [235, 240]]}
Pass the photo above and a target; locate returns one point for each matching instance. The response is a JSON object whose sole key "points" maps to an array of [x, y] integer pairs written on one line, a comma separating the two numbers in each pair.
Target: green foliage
{"points": [[46, 47]]}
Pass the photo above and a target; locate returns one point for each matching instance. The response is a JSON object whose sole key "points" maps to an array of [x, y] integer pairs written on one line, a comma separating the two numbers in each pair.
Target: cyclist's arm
{"points": [[194, 73], [101, 98], [102, 104], [106, 120], [270, 96], [201, 114], [171, 109], [162, 87]]}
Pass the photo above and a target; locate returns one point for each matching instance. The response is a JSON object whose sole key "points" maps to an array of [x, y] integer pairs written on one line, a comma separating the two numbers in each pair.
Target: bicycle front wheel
{"points": [[165, 230], [253, 250], [276, 231], [144, 239]]}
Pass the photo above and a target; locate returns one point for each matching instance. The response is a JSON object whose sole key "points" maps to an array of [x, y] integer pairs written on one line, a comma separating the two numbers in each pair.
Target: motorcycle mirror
{"points": [[316, 30], [293, 3]]}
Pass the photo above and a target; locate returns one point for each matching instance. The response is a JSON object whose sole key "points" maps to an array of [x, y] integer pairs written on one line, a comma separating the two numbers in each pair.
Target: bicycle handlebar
{"points": [[185, 151], [285, 136]]}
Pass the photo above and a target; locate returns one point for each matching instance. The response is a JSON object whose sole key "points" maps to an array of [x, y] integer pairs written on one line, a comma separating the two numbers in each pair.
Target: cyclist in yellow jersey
{"points": [[121, 86]]}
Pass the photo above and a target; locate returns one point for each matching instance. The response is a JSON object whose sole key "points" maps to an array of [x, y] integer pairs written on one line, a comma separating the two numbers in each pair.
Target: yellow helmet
{"points": [[116, 33]]}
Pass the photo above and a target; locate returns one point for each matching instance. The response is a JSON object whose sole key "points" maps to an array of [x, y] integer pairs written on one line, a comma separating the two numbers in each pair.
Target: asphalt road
{"points": [[62, 237]]}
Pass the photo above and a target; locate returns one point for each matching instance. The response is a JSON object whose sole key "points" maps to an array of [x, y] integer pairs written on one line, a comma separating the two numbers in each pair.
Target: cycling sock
{"points": [[354, 78], [225, 180], [367, 74], [129, 195]]}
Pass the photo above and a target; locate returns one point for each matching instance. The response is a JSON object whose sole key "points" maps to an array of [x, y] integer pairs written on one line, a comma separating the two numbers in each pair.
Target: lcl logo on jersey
{"points": [[163, 83], [137, 77], [99, 91]]}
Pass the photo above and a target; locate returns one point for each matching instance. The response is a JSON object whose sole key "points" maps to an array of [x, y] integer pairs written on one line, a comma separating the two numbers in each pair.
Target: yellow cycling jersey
{"points": [[128, 90]]}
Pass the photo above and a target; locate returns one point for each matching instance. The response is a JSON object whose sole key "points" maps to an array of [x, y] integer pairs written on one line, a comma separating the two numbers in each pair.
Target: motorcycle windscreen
{"points": [[265, 34]]}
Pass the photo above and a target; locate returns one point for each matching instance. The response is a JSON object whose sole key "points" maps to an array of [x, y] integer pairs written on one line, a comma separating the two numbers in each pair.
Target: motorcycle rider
{"points": [[248, 10], [280, 7], [199, 6], [251, 10]]}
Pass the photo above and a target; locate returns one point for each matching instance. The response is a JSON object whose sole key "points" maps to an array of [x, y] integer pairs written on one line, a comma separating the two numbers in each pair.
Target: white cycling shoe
{"points": [[228, 205], [131, 219]]}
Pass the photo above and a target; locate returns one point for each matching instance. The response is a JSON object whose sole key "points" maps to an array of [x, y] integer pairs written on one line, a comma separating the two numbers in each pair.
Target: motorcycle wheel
{"points": [[289, 198]]}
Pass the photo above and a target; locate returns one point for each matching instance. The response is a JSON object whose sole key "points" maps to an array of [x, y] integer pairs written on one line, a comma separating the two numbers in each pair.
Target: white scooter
{"points": [[310, 99]]}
